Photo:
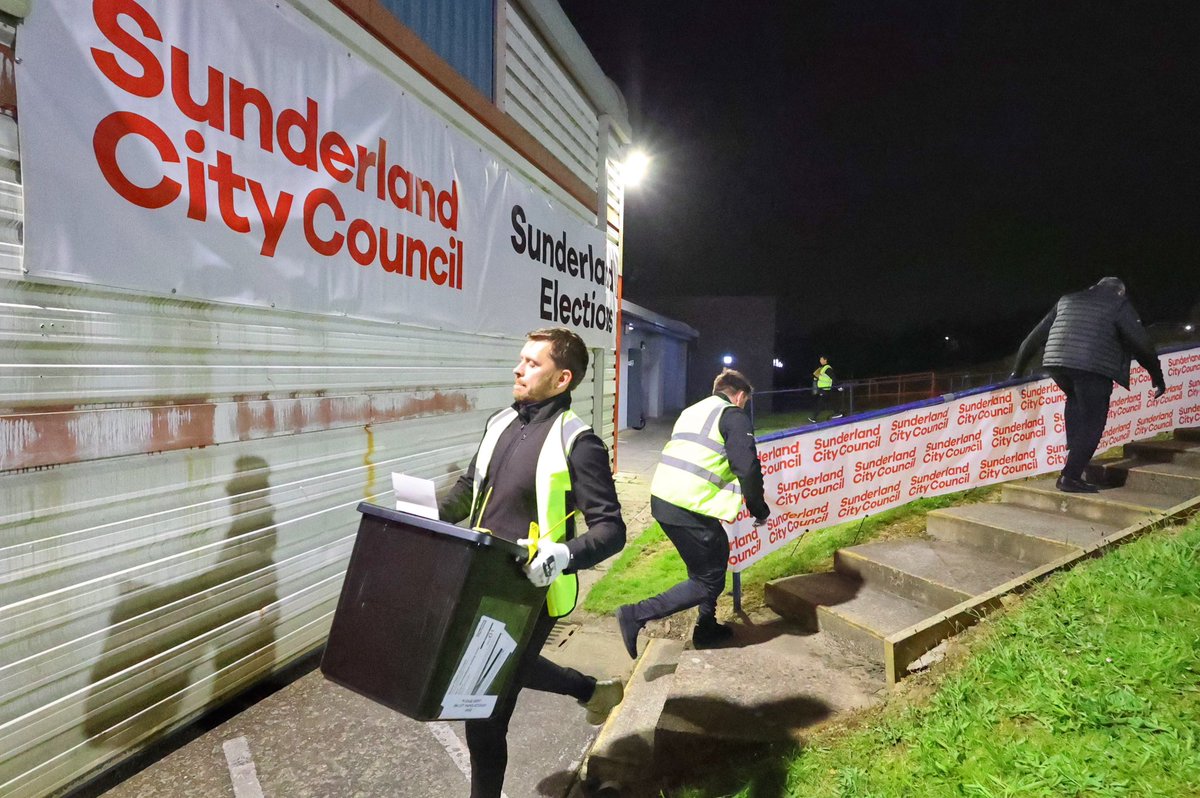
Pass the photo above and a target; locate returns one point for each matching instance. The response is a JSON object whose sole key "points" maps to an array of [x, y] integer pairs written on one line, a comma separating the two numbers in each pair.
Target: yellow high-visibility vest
{"points": [[823, 378], [551, 484], [694, 472]]}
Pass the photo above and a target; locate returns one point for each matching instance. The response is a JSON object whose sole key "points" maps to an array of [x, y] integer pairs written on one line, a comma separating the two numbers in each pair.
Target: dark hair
{"points": [[1114, 284], [567, 350], [730, 382]]}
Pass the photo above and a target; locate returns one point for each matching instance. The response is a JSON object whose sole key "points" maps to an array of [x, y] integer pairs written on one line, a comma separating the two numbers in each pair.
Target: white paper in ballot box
{"points": [[415, 495]]}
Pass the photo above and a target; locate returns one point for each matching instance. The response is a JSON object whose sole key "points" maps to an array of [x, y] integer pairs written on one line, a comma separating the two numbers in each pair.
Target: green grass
{"points": [[646, 566], [778, 422], [649, 564], [1090, 686]]}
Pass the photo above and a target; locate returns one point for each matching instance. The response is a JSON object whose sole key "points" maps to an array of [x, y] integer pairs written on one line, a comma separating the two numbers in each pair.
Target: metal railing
{"points": [[855, 396]]}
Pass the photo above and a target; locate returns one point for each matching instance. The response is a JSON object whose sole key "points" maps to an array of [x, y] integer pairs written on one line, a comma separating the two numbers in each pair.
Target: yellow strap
{"points": [[479, 516], [566, 518], [533, 537]]}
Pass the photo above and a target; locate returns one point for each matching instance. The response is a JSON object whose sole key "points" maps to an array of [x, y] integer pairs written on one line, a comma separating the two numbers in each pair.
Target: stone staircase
{"points": [[883, 606], [893, 601]]}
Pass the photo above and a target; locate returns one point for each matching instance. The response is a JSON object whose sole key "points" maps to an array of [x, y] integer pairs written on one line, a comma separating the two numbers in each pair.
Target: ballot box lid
{"points": [[442, 528]]}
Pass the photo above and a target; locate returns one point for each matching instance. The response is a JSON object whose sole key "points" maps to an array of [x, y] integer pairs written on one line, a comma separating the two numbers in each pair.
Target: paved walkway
{"points": [[313, 739], [769, 684]]}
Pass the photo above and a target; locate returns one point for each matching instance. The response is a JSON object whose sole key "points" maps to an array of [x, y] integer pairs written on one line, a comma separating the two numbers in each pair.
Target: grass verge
{"points": [[649, 564], [1089, 686]]}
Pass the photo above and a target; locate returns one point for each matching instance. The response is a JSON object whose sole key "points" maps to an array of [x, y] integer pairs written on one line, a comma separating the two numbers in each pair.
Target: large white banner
{"points": [[843, 473], [230, 150]]}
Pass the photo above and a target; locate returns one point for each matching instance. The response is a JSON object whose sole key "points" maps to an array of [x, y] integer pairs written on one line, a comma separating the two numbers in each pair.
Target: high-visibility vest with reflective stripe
{"points": [[694, 472], [551, 484], [823, 378]]}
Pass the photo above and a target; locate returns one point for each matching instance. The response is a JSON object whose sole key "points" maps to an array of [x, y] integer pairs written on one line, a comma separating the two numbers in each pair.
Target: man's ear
{"points": [[565, 376]]}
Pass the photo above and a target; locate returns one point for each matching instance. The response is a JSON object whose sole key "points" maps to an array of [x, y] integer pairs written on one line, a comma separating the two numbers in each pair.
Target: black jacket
{"points": [[513, 501], [1093, 330]]}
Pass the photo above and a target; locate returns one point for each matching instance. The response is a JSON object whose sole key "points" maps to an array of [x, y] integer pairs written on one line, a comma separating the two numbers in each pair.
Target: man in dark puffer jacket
{"points": [[1089, 336]]}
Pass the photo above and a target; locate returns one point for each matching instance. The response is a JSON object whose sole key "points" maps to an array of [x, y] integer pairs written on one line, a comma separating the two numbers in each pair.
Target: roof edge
{"points": [[659, 321], [552, 22]]}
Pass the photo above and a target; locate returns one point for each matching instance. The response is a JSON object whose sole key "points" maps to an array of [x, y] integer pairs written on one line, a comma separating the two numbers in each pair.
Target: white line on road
{"points": [[454, 747], [241, 769]]}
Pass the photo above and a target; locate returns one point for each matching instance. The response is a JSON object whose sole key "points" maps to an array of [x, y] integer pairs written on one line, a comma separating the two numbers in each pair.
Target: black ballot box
{"points": [[432, 619]]}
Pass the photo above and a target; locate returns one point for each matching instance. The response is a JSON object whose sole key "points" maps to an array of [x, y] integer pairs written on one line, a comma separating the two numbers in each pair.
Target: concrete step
{"points": [[1175, 450], [1020, 532], [1174, 478], [731, 702], [625, 749], [1119, 507], [859, 615], [938, 573]]}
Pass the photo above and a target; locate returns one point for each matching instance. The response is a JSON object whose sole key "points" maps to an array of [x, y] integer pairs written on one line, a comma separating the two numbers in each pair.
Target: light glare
{"points": [[637, 163]]}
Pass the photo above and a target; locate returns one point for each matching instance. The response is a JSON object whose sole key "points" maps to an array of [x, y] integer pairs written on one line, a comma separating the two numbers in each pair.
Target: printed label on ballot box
{"points": [[490, 647]]}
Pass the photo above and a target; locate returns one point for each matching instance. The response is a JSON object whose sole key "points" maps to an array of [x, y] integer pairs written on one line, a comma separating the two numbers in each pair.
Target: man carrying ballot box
{"points": [[538, 466]]}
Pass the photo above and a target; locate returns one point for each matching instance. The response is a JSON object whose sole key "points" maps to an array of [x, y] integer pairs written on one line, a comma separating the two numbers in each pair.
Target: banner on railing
{"points": [[828, 476]]}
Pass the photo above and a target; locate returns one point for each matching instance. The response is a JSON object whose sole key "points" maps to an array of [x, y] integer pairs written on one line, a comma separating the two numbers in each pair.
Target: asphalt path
{"points": [[312, 738]]}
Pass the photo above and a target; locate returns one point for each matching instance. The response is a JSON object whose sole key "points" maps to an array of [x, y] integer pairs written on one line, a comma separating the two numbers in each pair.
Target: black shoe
{"points": [[629, 629], [710, 633], [1071, 485]]}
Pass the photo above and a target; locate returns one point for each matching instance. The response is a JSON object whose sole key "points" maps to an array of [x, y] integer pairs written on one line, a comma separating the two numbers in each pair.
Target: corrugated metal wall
{"points": [[178, 482], [545, 101], [462, 32], [613, 194]]}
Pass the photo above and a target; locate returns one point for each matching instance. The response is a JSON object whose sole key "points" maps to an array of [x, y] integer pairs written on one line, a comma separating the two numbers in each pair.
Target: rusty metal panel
{"points": [[540, 95], [177, 492]]}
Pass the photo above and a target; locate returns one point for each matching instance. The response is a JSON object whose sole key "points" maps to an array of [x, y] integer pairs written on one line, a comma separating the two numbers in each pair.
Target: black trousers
{"points": [[1086, 413], [821, 411], [487, 740], [704, 548]]}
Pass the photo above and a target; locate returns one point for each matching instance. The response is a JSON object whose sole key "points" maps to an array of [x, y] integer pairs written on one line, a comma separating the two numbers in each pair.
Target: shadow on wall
{"points": [[228, 612]]}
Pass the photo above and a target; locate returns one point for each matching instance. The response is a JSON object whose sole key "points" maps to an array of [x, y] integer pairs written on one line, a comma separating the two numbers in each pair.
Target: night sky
{"points": [[895, 170]]}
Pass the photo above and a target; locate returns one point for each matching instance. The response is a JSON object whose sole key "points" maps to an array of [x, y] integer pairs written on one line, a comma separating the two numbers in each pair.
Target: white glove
{"points": [[550, 561]]}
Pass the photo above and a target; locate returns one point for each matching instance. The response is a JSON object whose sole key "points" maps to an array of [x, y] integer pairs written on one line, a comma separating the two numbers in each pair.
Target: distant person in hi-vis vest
{"points": [[708, 468], [539, 462], [822, 390]]}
